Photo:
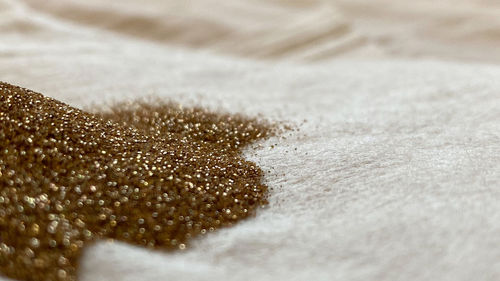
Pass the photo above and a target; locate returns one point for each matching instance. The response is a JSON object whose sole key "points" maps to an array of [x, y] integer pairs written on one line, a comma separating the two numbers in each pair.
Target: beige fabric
{"points": [[394, 175], [299, 29]]}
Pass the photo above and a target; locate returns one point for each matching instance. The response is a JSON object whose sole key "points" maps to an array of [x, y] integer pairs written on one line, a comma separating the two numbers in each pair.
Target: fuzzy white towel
{"points": [[394, 174]]}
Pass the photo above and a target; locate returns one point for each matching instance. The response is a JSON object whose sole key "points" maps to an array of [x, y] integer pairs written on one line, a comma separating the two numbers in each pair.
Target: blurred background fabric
{"points": [[394, 174], [298, 29]]}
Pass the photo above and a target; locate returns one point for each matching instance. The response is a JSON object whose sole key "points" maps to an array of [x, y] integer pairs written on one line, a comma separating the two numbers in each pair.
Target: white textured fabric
{"points": [[394, 174]]}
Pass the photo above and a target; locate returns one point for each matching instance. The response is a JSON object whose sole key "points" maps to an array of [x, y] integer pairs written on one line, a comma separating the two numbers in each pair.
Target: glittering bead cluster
{"points": [[149, 174]]}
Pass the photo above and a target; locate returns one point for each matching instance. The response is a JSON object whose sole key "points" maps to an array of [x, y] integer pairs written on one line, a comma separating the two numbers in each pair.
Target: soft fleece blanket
{"points": [[394, 171]]}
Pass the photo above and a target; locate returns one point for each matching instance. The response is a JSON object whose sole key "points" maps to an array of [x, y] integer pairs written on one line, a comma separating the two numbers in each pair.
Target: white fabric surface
{"points": [[394, 174]]}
